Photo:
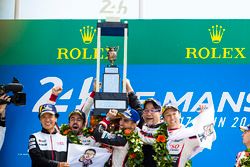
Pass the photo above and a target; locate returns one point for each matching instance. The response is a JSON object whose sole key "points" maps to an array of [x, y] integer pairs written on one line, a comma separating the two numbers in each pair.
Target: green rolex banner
{"points": [[150, 41]]}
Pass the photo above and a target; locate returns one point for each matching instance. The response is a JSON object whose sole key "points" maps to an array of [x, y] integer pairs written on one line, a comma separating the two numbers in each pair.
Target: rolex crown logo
{"points": [[87, 33], [216, 33]]}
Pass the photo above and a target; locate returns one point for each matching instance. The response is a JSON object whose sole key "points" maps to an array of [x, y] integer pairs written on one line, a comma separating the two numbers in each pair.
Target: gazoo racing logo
{"points": [[216, 34], [86, 36]]}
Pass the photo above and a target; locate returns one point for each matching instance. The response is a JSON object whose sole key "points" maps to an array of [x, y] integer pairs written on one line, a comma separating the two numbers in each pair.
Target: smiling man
{"points": [[150, 122], [77, 121], [48, 147], [183, 142], [152, 117]]}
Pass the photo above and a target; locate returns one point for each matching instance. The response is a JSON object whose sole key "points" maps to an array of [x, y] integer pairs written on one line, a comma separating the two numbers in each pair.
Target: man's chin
{"points": [[48, 127], [173, 126], [75, 131], [150, 122]]}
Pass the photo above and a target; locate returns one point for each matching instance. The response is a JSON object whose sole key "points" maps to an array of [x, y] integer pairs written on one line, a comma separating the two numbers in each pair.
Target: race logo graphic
{"points": [[87, 34], [216, 33]]}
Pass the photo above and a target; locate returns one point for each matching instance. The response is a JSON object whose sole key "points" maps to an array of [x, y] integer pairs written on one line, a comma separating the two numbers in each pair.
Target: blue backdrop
{"points": [[224, 86]]}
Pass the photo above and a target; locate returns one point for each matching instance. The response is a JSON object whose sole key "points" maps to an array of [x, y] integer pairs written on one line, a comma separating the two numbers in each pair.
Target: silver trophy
{"points": [[113, 95]]}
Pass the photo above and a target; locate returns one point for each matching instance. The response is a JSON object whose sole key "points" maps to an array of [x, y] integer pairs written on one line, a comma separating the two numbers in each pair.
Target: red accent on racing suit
{"points": [[183, 148]]}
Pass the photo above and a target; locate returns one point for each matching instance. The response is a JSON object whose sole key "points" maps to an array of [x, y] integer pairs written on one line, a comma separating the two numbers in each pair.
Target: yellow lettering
{"points": [[214, 54], [85, 54], [239, 50], [78, 53], [190, 51], [227, 51], [95, 53], [62, 51], [206, 51]]}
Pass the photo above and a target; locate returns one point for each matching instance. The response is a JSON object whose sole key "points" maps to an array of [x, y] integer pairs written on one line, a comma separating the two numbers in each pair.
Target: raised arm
{"points": [[133, 101], [103, 136]]}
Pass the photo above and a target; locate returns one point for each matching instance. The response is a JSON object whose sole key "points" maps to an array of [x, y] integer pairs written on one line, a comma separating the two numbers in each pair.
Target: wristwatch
{"points": [[2, 118]]}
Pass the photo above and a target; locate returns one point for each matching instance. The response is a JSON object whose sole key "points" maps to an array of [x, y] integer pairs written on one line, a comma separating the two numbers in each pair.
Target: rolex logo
{"points": [[216, 33], [206, 52], [87, 33]]}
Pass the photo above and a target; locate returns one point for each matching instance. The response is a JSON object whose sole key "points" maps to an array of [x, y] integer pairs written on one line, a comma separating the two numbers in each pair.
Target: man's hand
{"points": [[112, 114], [94, 85], [63, 164], [57, 90], [3, 106]]}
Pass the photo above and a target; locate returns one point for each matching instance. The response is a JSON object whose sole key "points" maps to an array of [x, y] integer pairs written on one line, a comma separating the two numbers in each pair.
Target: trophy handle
{"points": [[117, 48], [125, 59], [98, 57]]}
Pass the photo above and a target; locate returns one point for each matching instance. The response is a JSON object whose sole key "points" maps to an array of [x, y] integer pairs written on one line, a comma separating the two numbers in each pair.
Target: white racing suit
{"points": [[47, 149], [182, 149], [184, 143], [2, 132]]}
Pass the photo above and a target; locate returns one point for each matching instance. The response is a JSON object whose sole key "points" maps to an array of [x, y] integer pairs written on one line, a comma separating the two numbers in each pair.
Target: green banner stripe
{"points": [[149, 42]]}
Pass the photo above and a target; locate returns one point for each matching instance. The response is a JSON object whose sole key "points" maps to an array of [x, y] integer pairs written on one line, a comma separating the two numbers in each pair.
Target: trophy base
{"points": [[103, 102]]}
